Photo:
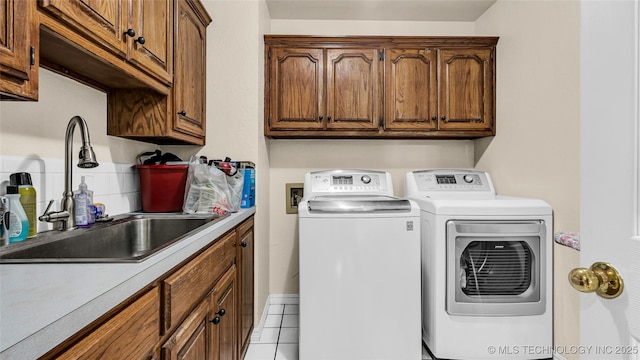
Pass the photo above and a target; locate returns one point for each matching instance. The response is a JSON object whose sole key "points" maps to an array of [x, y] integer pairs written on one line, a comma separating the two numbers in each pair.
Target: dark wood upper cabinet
{"points": [[297, 100], [189, 90], [411, 89], [19, 41], [466, 90], [379, 87], [353, 89], [136, 31], [154, 23], [306, 95], [180, 117], [126, 48]]}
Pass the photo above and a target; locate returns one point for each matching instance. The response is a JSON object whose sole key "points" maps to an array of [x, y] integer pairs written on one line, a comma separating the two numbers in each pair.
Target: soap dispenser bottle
{"points": [[81, 203], [18, 222], [27, 199]]}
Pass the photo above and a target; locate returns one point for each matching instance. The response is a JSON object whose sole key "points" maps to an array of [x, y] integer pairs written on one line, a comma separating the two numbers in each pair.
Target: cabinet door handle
{"points": [[182, 112], [243, 244], [140, 40], [328, 118], [221, 312], [434, 118], [444, 118], [215, 320], [320, 117], [130, 32]]}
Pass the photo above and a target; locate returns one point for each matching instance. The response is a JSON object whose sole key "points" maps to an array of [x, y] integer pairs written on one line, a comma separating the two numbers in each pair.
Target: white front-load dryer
{"points": [[486, 268]]}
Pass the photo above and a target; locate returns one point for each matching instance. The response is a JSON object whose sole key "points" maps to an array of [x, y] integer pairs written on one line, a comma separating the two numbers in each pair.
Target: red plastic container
{"points": [[162, 187]]}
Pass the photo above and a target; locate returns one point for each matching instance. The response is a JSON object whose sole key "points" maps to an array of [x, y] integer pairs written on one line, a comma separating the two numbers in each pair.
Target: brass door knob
{"points": [[602, 278]]}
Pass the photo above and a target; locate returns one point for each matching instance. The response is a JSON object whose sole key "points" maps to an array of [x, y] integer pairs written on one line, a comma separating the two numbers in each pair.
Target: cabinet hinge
{"points": [[381, 55], [33, 56], [381, 122], [269, 54], [491, 56], [492, 121], [269, 121]]}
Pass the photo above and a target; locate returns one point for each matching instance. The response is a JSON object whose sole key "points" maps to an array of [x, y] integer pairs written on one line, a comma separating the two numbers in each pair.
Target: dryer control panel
{"points": [[428, 182]]}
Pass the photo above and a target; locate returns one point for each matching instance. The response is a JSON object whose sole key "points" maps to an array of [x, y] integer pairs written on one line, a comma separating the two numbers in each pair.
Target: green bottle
{"points": [[28, 199]]}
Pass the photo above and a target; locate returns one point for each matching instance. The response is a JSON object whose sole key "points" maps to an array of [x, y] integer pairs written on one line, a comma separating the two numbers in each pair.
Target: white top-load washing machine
{"points": [[359, 269], [486, 268]]}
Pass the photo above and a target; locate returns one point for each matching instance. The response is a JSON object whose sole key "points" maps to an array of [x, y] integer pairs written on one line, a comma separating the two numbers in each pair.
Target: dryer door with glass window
{"points": [[495, 268]]}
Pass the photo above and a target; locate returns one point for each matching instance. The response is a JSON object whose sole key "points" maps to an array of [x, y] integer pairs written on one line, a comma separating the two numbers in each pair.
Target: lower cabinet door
{"points": [[224, 317], [190, 341], [245, 284], [130, 334]]}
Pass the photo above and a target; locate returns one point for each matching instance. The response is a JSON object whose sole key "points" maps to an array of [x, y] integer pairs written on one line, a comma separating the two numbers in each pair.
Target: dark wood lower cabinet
{"points": [[190, 341], [223, 316], [245, 259], [130, 334], [201, 310]]}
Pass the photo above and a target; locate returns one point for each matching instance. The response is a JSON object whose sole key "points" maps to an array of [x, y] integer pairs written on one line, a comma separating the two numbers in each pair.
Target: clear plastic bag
{"points": [[211, 190]]}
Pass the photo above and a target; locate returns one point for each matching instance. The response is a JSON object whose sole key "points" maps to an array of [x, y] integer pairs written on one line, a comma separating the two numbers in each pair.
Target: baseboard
{"points": [[558, 357], [284, 299], [274, 299]]}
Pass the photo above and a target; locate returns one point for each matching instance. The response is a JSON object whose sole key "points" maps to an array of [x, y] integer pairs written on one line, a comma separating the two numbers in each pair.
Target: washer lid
{"points": [[350, 204]]}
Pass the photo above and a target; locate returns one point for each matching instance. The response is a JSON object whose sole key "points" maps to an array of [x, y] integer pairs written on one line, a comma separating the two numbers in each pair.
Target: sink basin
{"points": [[129, 239]]}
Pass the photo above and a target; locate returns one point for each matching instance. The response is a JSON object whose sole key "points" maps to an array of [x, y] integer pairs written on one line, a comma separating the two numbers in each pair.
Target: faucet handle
{"points": [[49, 206], [47, 215], [54, 216], [46, 211]]}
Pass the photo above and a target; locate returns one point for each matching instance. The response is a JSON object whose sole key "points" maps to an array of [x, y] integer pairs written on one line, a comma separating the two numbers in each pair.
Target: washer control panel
{"points": [[348, 181], [452, 180]]}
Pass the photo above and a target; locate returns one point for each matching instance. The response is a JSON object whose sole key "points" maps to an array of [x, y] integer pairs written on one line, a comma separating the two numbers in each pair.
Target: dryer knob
{"points": [[365, 179], [468, 179]]}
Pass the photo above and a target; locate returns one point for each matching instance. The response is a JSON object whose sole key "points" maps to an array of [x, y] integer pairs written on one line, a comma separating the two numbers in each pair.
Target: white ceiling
{"points": [[398, 10]]}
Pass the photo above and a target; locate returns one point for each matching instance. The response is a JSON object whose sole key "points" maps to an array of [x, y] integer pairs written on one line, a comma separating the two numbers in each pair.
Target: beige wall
{"points": [[234, 113], [37, 129], [235, 106], [536, 150], [291, 159], [534, 154]]}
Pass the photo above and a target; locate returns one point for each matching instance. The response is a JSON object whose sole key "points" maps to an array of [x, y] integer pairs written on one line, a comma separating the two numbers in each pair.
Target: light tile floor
{"points": [[279, 337]]}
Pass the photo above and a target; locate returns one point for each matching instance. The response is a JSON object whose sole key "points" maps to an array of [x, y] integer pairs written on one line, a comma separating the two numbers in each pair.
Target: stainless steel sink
{"points": [[127, 239]]}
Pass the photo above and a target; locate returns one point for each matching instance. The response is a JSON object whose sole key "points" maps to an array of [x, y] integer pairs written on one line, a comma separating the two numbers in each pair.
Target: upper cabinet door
{"points": [[466, 89], [190, 72], [151, 48], [14, 39], [103, 21], [18, 45], [411, 89], [296, 80], [353, 89]]}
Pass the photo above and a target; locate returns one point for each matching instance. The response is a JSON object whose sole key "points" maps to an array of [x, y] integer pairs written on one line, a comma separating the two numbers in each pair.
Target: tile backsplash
{"points": [[115, 185]]}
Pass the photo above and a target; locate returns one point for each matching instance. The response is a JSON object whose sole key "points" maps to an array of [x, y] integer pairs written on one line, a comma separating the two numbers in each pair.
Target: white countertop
{"points": [[41, 305]]}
